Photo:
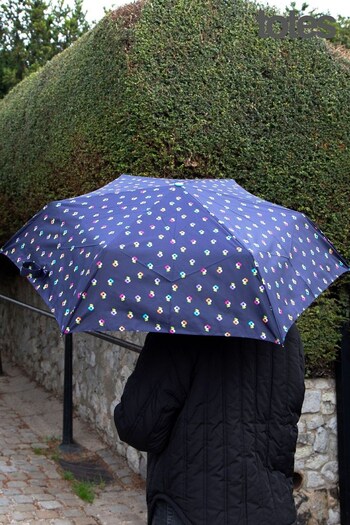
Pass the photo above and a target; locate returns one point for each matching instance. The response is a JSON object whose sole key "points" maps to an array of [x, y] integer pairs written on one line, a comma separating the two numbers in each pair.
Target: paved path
{"points": [[32, 490]]}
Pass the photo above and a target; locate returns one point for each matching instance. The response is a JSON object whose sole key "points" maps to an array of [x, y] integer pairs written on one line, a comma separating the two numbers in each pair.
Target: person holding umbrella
{"points": [[218, 277], [218, 417]]}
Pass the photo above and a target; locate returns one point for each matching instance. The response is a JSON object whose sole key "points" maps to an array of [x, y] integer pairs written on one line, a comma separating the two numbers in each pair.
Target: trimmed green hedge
{"points": [[188, 89]]}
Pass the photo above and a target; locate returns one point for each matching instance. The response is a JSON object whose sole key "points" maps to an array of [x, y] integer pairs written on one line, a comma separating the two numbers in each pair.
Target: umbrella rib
{"points": [[282, 336], [83, 291], [240, 215], [280, 333], [258, 200]]}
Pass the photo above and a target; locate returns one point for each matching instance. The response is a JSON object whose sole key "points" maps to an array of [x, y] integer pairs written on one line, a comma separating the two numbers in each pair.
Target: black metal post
{"points": [[343, 419], [68, 444]]}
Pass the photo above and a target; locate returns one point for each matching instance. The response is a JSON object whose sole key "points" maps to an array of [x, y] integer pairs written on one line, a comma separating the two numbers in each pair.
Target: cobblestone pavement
{"points": [[32, 490]]}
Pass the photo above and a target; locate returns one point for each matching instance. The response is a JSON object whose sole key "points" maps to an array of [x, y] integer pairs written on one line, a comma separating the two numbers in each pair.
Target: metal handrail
{"points": [[106, 337], [28, 306]]}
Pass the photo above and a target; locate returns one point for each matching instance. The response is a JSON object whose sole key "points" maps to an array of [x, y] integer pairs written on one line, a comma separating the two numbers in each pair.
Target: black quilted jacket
{"points": [[218, 417]]}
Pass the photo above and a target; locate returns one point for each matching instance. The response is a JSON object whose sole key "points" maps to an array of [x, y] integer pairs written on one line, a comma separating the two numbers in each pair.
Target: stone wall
{"points": [[101, 370], [316, 457]]}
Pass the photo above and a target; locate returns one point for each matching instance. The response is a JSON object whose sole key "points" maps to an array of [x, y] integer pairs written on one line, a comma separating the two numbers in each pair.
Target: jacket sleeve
{"points": [[153, 396], [296, 365]]}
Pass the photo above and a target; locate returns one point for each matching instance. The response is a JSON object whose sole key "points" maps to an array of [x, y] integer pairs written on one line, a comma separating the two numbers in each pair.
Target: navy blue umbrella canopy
{"points": [[198, 256]]}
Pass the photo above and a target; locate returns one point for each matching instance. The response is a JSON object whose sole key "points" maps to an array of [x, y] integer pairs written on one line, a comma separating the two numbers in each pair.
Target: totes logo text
{"points": [[277, 26]]}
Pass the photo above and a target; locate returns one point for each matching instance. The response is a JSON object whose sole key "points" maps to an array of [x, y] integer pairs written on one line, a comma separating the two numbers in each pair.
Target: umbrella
{"points": [[198, 256]]}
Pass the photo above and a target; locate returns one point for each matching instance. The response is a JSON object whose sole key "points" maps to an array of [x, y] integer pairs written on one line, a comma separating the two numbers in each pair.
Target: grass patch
{"points": [[55, 455], [39, 451], [85, 490], [67, 475]]}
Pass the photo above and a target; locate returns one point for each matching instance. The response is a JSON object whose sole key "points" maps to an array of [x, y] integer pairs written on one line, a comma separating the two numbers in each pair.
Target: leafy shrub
{"points": [[171, 88]]}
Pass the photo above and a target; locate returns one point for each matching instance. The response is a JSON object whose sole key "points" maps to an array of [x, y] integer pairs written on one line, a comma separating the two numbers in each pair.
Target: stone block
{"points": [[312, 507], [143, 466], [319, 384], [333, 517], [61, 521], [312, 401], [306, 438], [47, 515], [327, 407], [316, 461], [301, 426], [333, 446], [314, 480], [321, 441], [303, 452], [332, 424], [22, 516], [329, 396], [22, 498], [50, 505], [330, 471], [315, 421], [299, 464], [133, 458]]}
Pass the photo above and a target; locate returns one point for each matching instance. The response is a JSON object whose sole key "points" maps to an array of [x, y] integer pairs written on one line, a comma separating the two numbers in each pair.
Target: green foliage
{"points": [[38, 451], [174, 88], [85, 490], [342, 36], [32, 32], [320, 326], [341, 24], [68, 475]]}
